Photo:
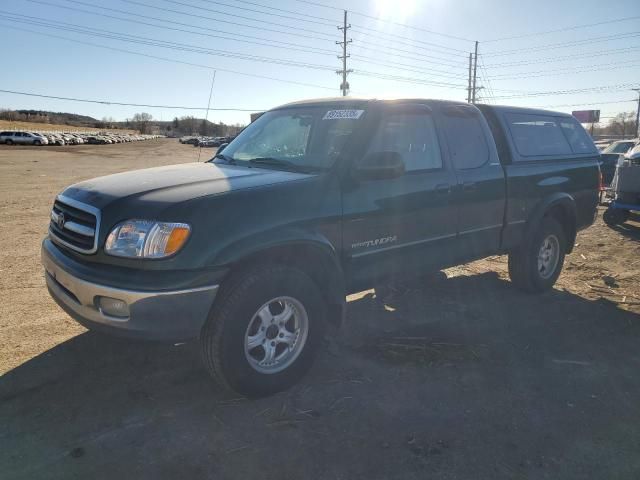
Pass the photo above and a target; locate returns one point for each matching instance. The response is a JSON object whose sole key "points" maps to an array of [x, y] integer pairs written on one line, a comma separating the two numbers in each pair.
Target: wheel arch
{"points": [[561, 207], [312, 254]]}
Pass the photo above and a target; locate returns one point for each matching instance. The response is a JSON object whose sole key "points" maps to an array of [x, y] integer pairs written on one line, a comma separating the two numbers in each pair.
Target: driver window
{"points": [[413, 136]]}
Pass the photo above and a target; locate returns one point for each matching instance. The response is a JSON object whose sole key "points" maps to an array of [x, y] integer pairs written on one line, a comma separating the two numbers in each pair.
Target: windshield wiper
{"points": [[277, 162], [226, 158]]}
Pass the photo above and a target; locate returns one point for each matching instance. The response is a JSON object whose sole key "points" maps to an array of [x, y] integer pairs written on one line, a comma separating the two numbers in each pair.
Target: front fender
{"points": [[276, 238]]}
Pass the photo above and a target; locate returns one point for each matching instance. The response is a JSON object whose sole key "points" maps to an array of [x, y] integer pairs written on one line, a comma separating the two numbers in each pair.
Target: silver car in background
{"points": [[22, 138]]}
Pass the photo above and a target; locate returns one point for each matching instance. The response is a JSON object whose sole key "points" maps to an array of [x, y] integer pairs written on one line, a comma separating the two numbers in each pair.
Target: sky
{"points": [[268, 52]]}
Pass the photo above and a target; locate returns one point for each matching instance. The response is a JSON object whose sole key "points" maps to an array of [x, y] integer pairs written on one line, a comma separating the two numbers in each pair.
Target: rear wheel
{"points": [[9, 142], [263, 331], [536, 264]]}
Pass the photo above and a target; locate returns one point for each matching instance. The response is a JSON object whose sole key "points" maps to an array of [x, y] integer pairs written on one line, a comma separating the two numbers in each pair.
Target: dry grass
{"points": [[48, 127]]}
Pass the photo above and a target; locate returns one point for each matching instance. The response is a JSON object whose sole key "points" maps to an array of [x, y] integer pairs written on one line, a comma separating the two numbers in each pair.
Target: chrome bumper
{"points": [[177, 314]]}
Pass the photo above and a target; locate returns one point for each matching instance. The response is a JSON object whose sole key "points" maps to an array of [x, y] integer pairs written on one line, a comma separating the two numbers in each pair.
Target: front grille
{"points": [[74, 224]]}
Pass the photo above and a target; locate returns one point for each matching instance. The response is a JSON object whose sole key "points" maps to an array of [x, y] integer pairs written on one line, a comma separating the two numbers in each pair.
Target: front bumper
{"points": [[154, 315]]}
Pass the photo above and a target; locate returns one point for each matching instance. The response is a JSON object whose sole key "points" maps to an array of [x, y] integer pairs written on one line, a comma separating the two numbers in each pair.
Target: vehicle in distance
{"points": [[621, 146], [612, 156], [23, 138], [255, 251]]}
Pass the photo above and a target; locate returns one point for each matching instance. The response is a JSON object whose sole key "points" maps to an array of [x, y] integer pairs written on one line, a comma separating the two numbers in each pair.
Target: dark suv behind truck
{"points": [[255, 250]]}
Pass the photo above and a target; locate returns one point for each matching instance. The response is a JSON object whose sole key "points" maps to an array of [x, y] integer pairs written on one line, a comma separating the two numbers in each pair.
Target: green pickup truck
{"points": [[255, 251]]}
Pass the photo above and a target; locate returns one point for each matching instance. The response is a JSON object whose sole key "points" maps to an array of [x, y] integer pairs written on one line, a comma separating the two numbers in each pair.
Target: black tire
{"points": [[523, 261], [223, 336], [37, 143], [615, 216], [9, 142]]}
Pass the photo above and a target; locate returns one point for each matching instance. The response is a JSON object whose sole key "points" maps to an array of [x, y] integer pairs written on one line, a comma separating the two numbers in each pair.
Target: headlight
{"points": [[146, 239]]}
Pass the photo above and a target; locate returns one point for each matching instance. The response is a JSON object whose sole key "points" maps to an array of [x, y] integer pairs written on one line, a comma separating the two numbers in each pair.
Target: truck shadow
{"points": [[69, 409], [630, 228]]}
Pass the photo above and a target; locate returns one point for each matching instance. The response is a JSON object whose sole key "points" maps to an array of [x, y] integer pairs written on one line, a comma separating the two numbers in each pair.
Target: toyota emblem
{"points": [[61, 220]]}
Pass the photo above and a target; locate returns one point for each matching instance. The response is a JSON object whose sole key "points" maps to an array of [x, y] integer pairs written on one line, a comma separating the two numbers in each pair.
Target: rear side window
{"points": [[537, 135], [578, 139], [412, 135], [465, 137], [6, 134], [17, 134]]}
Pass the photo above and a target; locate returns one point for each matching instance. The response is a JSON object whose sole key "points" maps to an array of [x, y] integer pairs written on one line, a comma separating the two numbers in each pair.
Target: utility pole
{"points": [[475, 69], [344, 86], [469, 80], [637, 90]]}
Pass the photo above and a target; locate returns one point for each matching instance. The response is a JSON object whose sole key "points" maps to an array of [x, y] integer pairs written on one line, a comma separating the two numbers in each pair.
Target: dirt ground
{"points": [[460, 377]]}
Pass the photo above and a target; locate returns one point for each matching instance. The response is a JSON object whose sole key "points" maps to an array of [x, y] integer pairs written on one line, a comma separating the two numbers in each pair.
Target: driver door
{"points": [[395, 227]]}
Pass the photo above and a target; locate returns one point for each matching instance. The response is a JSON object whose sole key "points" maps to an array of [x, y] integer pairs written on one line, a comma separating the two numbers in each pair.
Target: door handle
{"points": [[443, 189], [469, 186]]}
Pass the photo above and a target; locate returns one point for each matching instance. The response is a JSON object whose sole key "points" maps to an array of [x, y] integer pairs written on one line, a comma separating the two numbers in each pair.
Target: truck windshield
{"points": [[305, 138]]}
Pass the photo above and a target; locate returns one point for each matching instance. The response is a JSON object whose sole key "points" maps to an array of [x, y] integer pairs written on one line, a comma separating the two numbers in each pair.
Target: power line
{"points": [[408, 68], [172, 60], [142, 105], [565, 57], [246, 9], [398, 39], [602, 89], [233, 37], [261, 40], [285, 11], [419, 57], [574, 43], [581, 104], [291, 32], [161, 43], [424, 30], [220, 12], [564, 71], [564, 29], [397, 78], [180, 46], [325, 19], [326, 52], [377, 75]]}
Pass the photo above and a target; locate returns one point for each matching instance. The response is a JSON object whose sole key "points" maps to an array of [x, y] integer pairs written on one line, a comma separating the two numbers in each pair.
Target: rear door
{"points": [[480, 192], [394, 227]]}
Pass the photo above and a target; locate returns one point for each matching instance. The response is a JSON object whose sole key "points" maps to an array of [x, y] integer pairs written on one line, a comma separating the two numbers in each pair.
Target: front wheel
{"points": [[263, 331], [536, 264]]}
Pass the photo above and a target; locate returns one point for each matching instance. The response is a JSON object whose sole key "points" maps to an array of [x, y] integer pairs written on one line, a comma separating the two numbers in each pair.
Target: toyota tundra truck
{"points": [[255, 250]]}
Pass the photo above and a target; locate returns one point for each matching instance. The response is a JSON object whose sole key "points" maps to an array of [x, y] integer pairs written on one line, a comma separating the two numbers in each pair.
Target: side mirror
{"points": [[380, 166], [222, 147]]}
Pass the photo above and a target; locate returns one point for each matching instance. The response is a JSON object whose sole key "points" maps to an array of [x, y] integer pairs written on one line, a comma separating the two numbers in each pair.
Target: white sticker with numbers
{"points": [[343, 114]]}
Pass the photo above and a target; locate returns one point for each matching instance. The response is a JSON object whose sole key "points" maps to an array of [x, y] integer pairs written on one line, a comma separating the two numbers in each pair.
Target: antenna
{"points": [[206, 117]]}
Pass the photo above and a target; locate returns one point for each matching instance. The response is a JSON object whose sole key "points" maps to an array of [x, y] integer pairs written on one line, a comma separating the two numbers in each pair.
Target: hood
{"points": [[174, 183]]}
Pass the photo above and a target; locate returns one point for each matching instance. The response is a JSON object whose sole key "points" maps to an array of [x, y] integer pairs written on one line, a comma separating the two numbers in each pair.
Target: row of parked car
{"points": [[21, 137], [205, 141]]}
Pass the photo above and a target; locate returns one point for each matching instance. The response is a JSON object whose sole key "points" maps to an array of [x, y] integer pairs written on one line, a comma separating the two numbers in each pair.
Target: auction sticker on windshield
{"points": [[343, 114]]}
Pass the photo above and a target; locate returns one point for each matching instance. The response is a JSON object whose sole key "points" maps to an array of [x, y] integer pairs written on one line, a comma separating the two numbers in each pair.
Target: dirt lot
{"points": [[454, 378]]}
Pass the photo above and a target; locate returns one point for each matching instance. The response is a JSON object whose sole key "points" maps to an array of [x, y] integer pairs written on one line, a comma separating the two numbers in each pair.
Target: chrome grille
{"points": [[74, 224]]}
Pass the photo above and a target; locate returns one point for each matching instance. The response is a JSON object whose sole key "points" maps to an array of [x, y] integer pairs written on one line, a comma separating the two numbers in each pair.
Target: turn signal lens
{"points": [[177, 238]]}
